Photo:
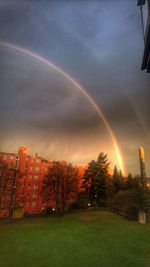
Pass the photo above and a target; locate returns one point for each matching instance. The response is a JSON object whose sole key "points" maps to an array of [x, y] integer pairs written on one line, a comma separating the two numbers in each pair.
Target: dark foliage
{"points": [[8, 175], [124, 195], [98, 182], [60, 185]]}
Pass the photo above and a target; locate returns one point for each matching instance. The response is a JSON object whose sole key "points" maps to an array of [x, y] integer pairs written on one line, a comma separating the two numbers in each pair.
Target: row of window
{"points": [[16, 157], [34, 160], [34, 186], [37, 169], [35, 176], [34, 203], [33, 195], [4, 157]]}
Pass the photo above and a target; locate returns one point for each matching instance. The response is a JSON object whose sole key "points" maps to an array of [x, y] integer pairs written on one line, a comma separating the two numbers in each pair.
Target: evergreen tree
{"points": [[120, 174], [118, 180], [129, 182], [97, 181]]}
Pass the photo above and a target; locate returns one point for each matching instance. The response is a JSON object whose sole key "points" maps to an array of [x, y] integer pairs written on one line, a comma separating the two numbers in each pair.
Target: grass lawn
{"points": [[85, 239]]}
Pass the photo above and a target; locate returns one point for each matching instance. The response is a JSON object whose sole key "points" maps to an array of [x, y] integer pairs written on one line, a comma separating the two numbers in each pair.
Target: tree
{"points": [[141, 194], [124, 203], [60, 185], [83, 200], [129, 182], [7, 185], [118, 180], [133, 198], [97, 181]]}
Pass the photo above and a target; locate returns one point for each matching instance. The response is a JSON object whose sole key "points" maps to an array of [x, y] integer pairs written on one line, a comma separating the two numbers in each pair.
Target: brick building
{"points": [[27, 185]]}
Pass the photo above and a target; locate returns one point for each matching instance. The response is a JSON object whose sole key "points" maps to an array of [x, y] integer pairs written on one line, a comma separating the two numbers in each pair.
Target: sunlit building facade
{"points": [[27, 188]]}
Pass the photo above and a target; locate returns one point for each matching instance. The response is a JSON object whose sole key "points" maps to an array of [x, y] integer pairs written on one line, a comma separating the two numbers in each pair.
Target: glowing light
{"points": [[80, 88]]}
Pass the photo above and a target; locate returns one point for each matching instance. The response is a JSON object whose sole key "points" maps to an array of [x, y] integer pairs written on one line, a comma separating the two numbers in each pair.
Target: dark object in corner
{"points": [[146, 33], [146, 56], [141, 2]]}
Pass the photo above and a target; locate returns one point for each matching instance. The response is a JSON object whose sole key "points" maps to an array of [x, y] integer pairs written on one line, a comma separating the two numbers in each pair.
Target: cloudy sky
{"points": [[100, 45]]}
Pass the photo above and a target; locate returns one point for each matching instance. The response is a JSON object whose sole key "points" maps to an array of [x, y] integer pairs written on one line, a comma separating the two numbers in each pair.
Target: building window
{"points": [[16, 166], [37, 169], [35, 186], [34, 203], [36, 176], [34, 194], [30, 176]]}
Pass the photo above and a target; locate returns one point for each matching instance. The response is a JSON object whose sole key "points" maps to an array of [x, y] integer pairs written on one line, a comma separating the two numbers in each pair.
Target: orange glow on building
{"points": [[31, 172]]}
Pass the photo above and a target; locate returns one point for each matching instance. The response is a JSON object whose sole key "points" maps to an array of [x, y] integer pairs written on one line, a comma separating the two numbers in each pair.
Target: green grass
{"points": [[86, 239]]}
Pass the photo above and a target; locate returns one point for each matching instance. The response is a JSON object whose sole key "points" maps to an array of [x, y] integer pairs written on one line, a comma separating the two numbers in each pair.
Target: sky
{"points": [[99, 44]]}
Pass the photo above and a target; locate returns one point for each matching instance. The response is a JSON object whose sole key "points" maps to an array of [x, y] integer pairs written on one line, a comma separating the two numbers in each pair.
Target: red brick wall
{"points": [[30, 173]]}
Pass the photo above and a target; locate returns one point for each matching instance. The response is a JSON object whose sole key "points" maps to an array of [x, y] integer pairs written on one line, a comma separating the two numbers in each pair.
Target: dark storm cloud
{"points": [[41, 98], [97, 42]]}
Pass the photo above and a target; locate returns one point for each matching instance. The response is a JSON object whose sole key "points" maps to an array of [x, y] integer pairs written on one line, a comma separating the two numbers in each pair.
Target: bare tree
{"points": [[60, 185], [7, 185]]}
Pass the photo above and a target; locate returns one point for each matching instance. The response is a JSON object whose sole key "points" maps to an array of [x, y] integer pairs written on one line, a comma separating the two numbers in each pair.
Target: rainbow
{"points": [[80, 88]]}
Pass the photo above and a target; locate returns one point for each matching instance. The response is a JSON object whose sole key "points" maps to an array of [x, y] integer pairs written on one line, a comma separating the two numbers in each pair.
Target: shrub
{"points": [[124, 203]]}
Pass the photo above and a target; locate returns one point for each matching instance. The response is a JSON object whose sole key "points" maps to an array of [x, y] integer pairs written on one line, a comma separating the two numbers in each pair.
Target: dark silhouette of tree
{"points": [[123, 203], [97, 181], [60, 185], [140, 193], [7, 184], [134, 197], [118, 180], [130, 181]]}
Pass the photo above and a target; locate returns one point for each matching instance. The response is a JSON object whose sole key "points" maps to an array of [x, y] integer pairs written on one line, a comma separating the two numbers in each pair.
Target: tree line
{"points": [[125, 195], [98, 188]]}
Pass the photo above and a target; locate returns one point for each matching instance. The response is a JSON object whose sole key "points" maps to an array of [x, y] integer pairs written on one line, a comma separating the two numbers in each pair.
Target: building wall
{"points": [[29, 177]]}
